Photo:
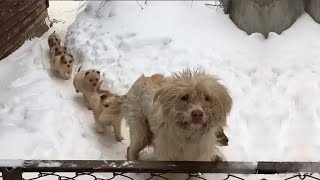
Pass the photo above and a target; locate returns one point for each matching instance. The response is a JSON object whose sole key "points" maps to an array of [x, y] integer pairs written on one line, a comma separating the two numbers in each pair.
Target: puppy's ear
{"points": [[86, 73]]}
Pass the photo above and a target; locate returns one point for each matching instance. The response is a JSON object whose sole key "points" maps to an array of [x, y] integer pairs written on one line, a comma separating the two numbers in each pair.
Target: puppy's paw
{"points": [[216, 158], [99, 129]]}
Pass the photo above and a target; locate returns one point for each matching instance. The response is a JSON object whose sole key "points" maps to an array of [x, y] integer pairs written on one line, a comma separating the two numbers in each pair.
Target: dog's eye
{"points": [[107, 105], [90, 80], [207, 98], [185, 97]]}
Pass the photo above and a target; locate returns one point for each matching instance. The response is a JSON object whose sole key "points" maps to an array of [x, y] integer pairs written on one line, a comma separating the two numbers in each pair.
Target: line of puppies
{"points": [[182, 116], [60, 60], [105, 105]]}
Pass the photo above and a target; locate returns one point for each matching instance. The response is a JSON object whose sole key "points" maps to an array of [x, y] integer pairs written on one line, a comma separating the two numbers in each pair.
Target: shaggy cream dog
{"points": [[63, 64], [180, 116], [86, 82], [54, 40], [107, 111]]}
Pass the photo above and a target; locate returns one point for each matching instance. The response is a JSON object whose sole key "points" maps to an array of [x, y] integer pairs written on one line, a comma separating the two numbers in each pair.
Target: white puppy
{"points": [[179, 117], [63, 64], [86, 82]]}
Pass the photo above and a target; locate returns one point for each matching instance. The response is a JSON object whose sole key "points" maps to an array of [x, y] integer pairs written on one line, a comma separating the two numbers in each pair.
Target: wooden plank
{"points": [[18, 18], [18, 40], [20, 25], [10, 9]]}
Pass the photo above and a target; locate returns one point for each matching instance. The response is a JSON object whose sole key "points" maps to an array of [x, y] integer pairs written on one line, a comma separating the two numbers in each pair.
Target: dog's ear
{"points": [[221, 93], [86, 73], [160, 93]]}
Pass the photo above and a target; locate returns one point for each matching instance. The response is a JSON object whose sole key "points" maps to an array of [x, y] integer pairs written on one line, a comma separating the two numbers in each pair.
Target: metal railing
{"points": [[149, 170]]}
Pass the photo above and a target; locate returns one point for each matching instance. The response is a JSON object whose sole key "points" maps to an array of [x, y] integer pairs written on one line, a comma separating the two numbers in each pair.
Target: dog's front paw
{"points": [[216, 158]]}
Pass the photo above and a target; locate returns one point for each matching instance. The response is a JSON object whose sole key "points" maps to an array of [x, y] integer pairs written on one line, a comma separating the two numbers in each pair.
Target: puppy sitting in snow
{"points": [[63, 64], [86, 82], [180, 118], [107, 111]]}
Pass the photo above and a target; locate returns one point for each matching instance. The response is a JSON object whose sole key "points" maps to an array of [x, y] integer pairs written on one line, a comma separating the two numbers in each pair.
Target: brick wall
{"points": [[19, 21]]}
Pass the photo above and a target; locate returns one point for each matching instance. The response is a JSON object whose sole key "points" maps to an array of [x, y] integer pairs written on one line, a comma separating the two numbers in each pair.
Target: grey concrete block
{"points": [[265, 16], [312, 7]]}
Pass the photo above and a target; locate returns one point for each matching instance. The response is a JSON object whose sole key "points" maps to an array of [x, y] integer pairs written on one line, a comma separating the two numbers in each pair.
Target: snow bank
{"points": [[35, 120], [274, 82]]}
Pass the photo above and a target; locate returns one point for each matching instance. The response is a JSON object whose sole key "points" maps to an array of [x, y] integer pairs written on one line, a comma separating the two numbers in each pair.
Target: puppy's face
{"points": [[92, 77], [53, 41], [194, 101], [59, 50], [110, 102], [66, 62]]}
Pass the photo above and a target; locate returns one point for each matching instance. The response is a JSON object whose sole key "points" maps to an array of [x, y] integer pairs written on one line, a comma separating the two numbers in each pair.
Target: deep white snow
{"points": [[274, 83]]}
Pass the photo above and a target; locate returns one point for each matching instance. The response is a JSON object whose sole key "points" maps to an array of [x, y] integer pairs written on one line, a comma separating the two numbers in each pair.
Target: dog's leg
{"points": [[86, 101], [117, 130], [99, 127], [140, 135]]}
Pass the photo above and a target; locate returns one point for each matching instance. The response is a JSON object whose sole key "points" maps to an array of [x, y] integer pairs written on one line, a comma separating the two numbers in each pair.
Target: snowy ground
{"points": [[274, 82]]}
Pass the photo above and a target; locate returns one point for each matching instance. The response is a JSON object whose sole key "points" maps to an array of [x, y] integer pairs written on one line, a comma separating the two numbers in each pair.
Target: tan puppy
{"points": [[54, 40], [63, 64], [180, 118], [107, 111], [86, 82]]}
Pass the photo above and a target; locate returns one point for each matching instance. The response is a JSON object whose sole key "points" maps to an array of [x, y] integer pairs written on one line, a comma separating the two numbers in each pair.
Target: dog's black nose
{"points": [[197, 116], [94, 84], [68, 65]]}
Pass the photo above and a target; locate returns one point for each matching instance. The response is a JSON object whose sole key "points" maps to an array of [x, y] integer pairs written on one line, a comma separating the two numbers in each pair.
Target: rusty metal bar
{"points": [[160, 167]]}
